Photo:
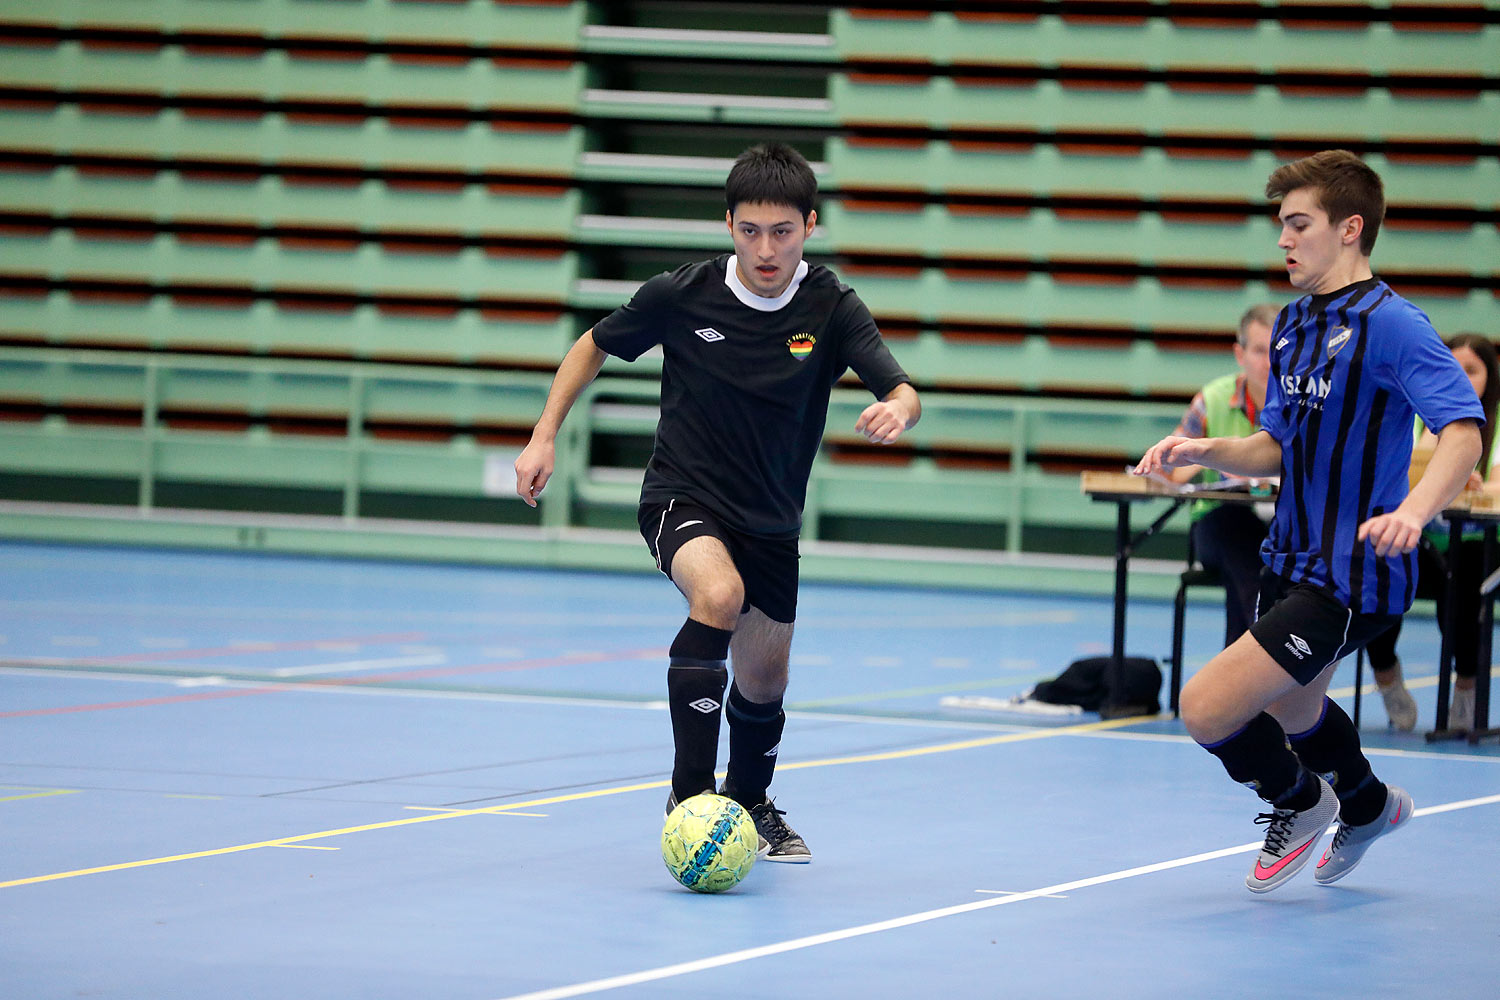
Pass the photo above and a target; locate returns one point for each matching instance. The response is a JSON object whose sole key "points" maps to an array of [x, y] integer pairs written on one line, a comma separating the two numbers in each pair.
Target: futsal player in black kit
{"points": [[752, 343]]}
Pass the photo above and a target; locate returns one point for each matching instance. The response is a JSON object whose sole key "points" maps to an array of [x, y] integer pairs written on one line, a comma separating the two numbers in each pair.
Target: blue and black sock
{"points": [[1331, 748], [1259, 757]]}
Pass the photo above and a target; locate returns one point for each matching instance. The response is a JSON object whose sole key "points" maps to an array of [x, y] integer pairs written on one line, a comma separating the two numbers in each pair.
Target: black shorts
{"points": [[767, 566], [1305, 628]]}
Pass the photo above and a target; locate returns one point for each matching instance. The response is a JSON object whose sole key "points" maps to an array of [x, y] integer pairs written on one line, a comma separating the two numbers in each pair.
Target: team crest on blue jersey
{"points": [[801, 345], [1341, 335]]}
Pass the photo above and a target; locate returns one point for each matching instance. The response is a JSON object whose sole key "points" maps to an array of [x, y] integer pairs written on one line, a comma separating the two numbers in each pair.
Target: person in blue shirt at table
{"points": [[1352, 365]]}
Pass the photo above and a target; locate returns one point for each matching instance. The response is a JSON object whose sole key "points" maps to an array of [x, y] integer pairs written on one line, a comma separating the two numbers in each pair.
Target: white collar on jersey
{"points": [[745, 295]]}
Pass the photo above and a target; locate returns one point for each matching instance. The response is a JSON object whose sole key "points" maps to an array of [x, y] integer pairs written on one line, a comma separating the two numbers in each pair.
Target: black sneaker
{"points": [[779, 841]]}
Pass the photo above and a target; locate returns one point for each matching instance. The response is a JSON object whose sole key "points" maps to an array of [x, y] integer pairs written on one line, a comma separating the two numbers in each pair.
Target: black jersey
{"points": [[744, 390]]}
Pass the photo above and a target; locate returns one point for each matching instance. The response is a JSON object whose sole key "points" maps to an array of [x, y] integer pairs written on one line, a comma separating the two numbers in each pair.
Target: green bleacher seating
{"points": [[339, 264], [1214, 40], [279, 75], [1155, 108], [161, 322], [246, 210], [543, 24], [1145, 237], [454, 209], [1056, 166], [292, 140]]}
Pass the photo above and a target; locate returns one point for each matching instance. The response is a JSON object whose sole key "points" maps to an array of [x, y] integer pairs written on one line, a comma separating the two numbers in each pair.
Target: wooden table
{"points": [[1123, 490]]}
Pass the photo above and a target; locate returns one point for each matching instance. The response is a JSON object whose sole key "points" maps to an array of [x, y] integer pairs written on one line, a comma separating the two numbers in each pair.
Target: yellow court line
{"points": [[36, 795], [915, 692], [571, 797], [983, 741]]}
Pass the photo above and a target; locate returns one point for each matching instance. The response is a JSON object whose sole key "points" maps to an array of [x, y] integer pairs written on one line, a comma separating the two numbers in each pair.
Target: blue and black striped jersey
{"points": [[1348, 371]]}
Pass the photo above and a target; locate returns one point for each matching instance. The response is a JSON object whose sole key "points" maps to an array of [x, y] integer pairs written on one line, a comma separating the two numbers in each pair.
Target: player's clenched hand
{"points": [[882, 422], [533, 469], [1391, 534], [1171, 452]]}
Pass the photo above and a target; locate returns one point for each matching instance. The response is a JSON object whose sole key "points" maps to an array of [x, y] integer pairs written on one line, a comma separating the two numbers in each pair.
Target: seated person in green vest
{"points": [[1477, 356], [1227, 537]]}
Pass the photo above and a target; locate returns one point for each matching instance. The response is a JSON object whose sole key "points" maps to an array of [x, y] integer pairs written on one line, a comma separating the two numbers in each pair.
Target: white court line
{"points": [[347, 666], [796, 944], [39, 667]]}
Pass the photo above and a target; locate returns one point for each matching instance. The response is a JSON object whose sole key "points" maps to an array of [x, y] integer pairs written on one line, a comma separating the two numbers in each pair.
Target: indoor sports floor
{"points": [[250, 776]]}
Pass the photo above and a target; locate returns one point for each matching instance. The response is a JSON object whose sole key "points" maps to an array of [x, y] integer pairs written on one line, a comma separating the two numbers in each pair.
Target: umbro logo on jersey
{"points": [[1298, 646], [709, 334], [1282, 343], [705, 705]]}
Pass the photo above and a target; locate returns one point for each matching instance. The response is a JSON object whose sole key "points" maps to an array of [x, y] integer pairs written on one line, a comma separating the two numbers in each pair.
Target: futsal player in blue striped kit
{"points": [[1351, 363]]}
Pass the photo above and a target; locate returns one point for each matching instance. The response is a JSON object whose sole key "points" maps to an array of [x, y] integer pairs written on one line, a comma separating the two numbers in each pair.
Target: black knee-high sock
{"points": [[696, 678], [754, 739], [1331, 748], [1258, 756]]}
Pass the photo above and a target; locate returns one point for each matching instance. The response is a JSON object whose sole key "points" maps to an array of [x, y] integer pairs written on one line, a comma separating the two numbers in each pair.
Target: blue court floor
{"points": [[248, 776]]}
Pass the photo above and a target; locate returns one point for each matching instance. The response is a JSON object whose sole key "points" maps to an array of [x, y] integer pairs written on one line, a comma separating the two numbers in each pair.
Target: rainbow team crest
{"points": [[801, 345]]}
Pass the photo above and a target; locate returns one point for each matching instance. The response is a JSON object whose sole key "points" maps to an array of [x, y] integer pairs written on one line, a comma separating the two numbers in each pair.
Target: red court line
{"points": [[139, 702], [405, 675]]}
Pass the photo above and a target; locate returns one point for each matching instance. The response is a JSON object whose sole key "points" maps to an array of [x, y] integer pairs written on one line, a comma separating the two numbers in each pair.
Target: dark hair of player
{"points": [[771, 173]]}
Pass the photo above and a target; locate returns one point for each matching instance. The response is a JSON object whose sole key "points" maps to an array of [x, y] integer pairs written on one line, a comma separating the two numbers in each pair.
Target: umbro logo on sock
{"points": [[704, 705]]}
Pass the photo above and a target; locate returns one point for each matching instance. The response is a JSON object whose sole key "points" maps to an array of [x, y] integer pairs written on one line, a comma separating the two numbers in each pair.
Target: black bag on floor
{"points": [[1085, 683]]}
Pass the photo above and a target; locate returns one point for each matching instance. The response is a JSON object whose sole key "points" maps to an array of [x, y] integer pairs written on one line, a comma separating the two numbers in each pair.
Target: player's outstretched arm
{"points": [[1256, 456], [886, 420], [536, 461], [1452, 461]]}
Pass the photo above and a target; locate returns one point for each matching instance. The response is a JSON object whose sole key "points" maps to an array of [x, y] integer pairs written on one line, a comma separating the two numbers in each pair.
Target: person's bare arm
{"points": [[579, 367], [885, 421], [1257, 456], [1452, 461]]}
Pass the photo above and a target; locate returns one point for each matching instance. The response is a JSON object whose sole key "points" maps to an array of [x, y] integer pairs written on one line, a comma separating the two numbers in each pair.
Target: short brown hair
{"points": [[1343, 184]]}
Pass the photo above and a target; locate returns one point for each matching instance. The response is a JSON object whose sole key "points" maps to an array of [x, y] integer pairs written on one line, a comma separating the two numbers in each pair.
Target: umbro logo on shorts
{"points": [[705, 705], [1298, 646], [709, 334]]}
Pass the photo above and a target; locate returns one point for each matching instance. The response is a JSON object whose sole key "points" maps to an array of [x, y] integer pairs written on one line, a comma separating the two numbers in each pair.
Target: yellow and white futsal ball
{"points": [[709, 843]]}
